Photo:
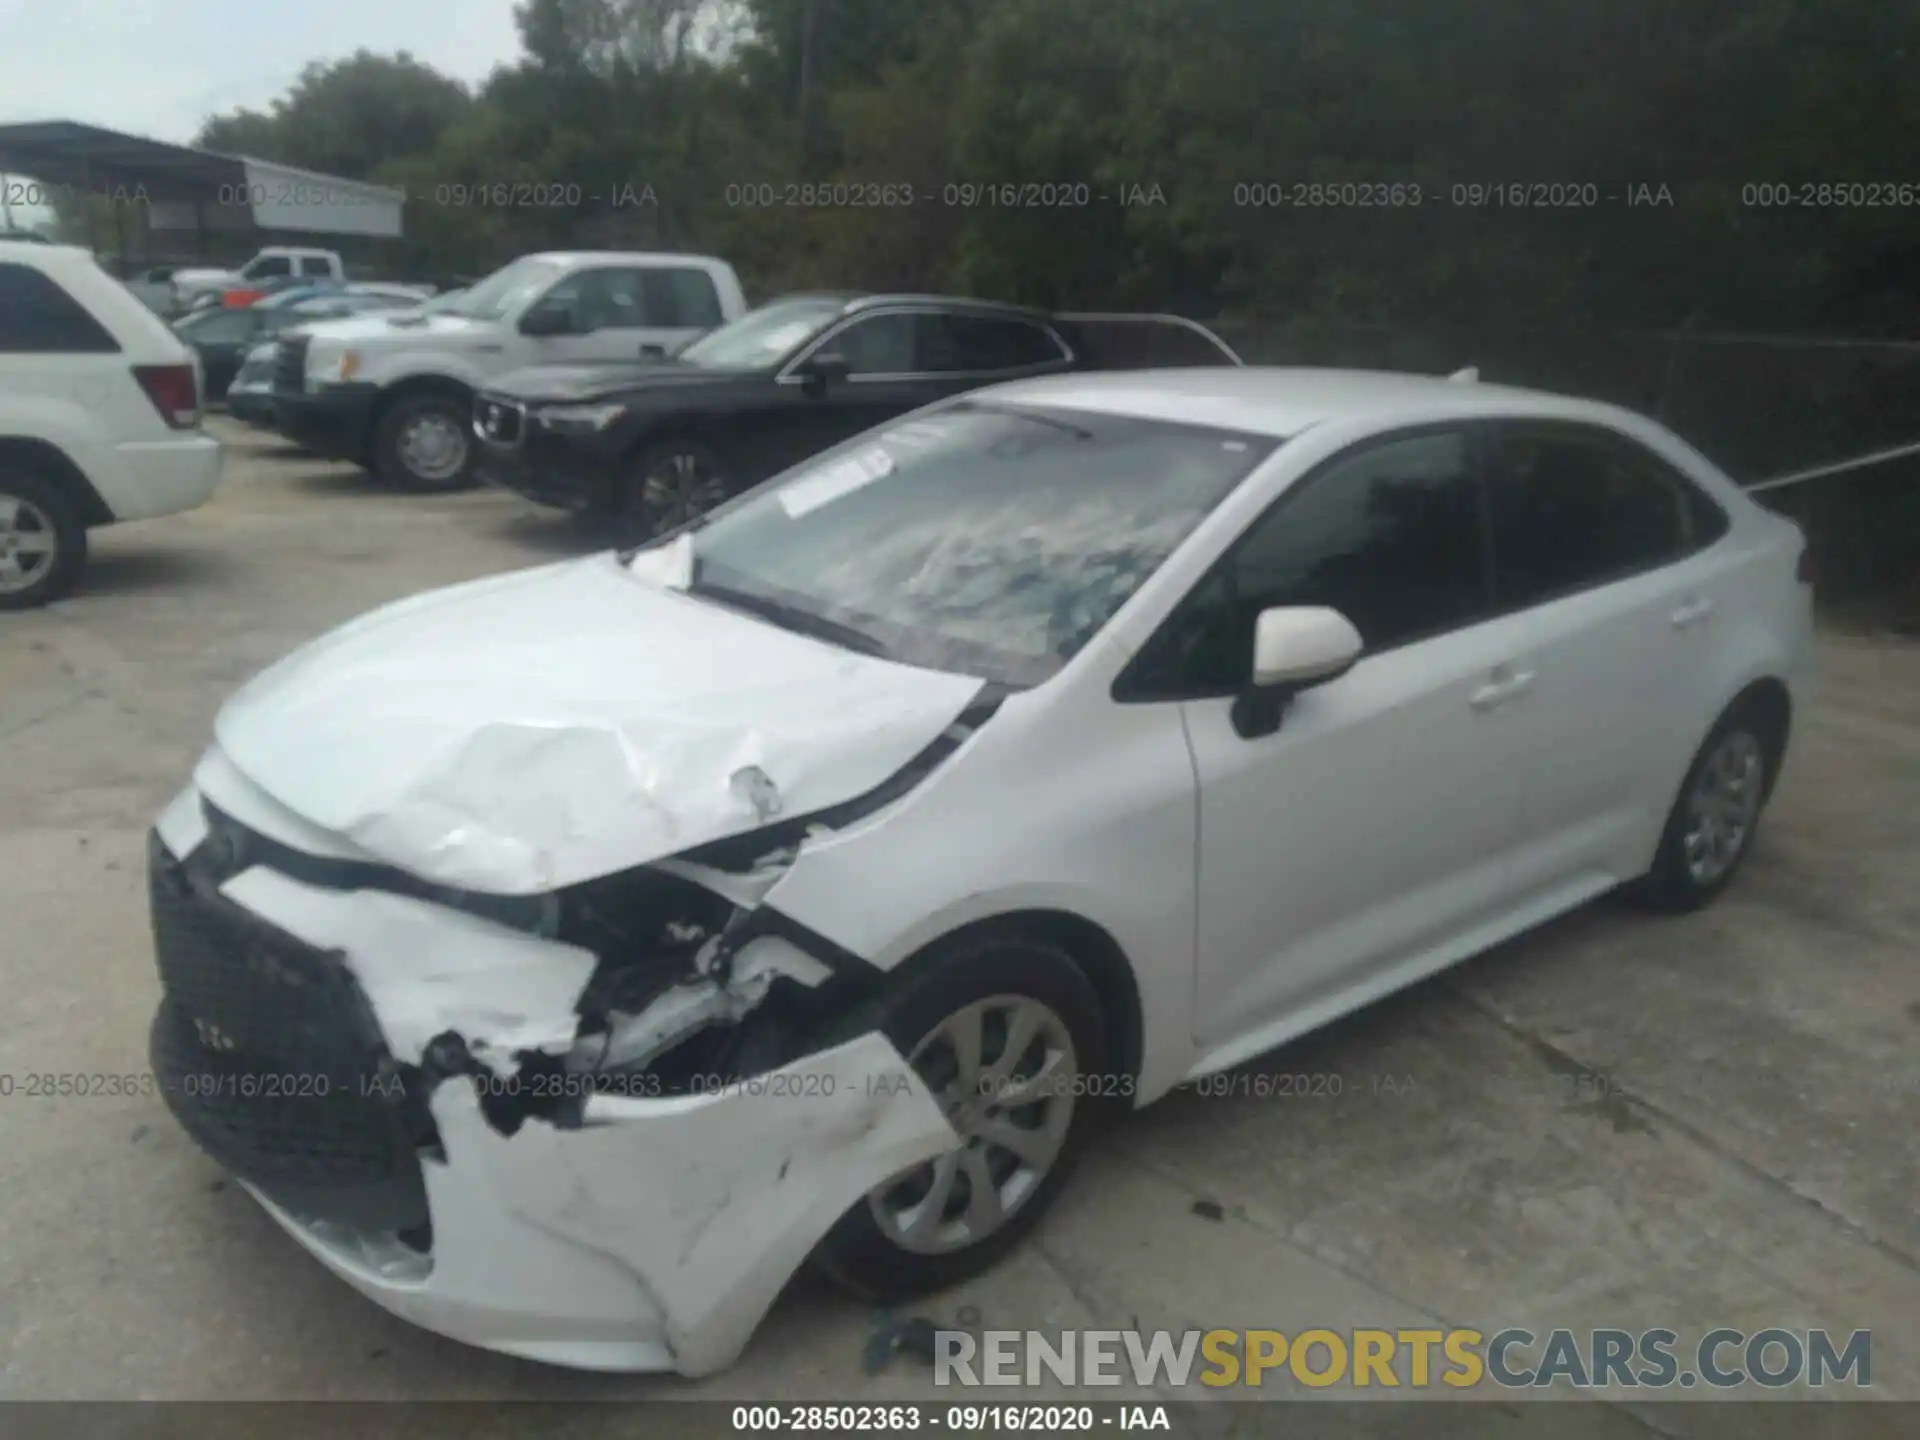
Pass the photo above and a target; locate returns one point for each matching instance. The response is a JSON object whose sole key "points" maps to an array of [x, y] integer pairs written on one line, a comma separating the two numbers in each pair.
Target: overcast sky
{"points": [[161, 67]]}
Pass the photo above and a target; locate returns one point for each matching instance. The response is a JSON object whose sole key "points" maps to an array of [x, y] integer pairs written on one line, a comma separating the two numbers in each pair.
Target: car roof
{"points": [[949, 302], [1281, 400], [628, 257], [43, 252]]}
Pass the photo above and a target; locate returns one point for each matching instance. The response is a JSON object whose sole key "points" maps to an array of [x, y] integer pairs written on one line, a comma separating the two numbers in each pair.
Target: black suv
{"points": [[650, 446]]}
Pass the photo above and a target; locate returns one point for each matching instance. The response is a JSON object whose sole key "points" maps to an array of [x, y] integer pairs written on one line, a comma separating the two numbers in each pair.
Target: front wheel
{"points": [[423, 444], [1006, 1032]]}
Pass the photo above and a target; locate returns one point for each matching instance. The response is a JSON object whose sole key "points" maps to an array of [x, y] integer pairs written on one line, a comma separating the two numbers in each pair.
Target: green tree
{"points": [[349, 117]]}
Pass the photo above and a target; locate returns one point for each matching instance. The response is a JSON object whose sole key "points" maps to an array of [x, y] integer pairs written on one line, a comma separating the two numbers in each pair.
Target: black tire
{"points": [[1673, 885], [857, 1253], [390, 463], [42, 514], [642, 510]]}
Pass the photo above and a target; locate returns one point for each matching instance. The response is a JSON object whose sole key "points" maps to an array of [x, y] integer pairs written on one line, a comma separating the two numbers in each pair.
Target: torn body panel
{"points": [[600, 1157], [657, 1235], [511, 736]]}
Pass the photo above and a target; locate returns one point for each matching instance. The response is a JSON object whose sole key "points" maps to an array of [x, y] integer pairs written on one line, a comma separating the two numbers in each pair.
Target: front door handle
{"points": [[1692, 612], [1503, 685]]}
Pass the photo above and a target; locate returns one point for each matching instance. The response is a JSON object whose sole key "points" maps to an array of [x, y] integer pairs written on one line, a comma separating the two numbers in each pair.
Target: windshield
{"points": [[762, 338], [988, 539], [502, 292]]}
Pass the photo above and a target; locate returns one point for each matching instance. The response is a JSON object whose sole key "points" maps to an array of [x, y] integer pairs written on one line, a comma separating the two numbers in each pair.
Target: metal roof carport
{"points": [[183, 189]]}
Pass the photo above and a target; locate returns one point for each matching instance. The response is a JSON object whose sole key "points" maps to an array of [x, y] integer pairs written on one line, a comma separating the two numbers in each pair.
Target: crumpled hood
{"points": [[522, 733]]}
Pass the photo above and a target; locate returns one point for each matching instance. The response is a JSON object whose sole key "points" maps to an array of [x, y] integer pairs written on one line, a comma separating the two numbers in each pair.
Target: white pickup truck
{"points": [[276, 262], [394, 393]]}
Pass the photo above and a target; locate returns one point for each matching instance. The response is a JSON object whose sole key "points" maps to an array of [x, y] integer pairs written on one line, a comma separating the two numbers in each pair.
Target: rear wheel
{"points": [[1007, 1034], [669, 483], [1712, 823], [43, 540], [422, 443]]}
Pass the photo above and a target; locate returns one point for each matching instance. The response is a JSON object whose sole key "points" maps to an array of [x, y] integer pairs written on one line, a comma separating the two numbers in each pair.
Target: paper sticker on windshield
{"points": [[916, 433], [843, 477]]}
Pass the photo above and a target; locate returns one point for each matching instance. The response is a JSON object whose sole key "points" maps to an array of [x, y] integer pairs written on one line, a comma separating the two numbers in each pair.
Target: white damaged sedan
{"points": [[566, 958]]}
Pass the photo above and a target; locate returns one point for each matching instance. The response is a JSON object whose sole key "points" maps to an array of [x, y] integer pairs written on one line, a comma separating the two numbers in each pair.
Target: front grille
{"points": [[290, 363], [268, 1054], [500, 420]]}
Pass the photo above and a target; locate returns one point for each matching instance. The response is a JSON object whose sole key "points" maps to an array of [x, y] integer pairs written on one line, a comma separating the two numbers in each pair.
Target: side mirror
{"points": [[829, 367], [1295, 647], [547, 320]]}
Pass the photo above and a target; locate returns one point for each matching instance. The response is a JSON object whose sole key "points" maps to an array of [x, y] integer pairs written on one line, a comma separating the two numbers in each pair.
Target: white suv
{"points": [[99, 417]]}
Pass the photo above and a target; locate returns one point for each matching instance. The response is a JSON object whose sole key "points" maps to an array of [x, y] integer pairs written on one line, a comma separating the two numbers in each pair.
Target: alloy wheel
{"points": [[29, 545], [433, 447], [678, 487], [1722, 806], [1004, 1072]]}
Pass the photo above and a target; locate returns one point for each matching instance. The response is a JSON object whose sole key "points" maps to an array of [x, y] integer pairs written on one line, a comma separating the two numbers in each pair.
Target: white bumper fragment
{"points": [[655, 1237], [652, 1236]]}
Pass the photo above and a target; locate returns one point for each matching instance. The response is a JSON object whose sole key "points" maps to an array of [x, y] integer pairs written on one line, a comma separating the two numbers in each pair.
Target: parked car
{"points": [[395, 394], [99, 417], [250, 396], [807, 881], [275, 262], [648, 446], [153, 286], [224, 338]]}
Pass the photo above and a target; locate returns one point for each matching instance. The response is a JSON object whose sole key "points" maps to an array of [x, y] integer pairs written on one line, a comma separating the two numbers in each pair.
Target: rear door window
{"points": [[982, 344], [1573, 507]]}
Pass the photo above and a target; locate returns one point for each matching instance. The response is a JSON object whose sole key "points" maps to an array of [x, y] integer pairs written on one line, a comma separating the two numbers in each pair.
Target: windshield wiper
{"points": [[1055, 421], [790, 617]]}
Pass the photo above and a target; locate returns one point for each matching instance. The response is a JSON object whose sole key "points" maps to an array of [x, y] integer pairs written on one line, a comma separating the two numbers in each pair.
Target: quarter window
{"points": [[37, 317], [1390, 536], [1573, 508]]}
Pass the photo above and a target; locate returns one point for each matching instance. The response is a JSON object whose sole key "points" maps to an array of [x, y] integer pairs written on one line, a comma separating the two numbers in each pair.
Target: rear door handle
{"points": [[1692, 612], [1505, 684]]}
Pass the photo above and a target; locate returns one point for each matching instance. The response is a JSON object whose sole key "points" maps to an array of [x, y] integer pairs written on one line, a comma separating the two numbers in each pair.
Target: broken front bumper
{"points": [[646, 1232]]}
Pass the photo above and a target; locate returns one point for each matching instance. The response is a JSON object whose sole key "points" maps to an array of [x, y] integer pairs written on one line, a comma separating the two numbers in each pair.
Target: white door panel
{"points": [[1611, 720], [1620, 665], [1378, 822]]}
